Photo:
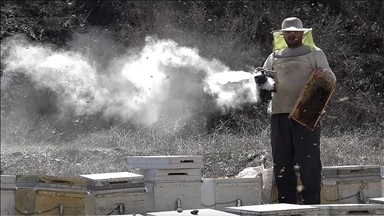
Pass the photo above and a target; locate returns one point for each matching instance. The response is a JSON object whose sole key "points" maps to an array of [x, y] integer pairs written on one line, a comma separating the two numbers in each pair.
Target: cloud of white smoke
{"points": [[162, 79]]}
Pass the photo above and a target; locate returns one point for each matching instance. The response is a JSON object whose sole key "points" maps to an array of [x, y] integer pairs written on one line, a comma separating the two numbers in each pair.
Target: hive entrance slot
{"points": [[173, 174], [118, 182], [60, 182], [187, 161], [358, 212], [53, 181]]}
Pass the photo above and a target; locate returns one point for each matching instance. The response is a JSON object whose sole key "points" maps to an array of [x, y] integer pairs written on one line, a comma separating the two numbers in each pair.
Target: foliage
{"points": [[238, 34]]}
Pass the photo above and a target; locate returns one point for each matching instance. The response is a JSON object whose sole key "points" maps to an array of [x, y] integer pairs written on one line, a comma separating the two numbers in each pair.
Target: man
{"points": [[291, 142]]}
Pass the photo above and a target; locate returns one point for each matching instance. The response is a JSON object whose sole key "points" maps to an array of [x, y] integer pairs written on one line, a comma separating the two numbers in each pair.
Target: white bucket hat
{"points": [[292, 24]]}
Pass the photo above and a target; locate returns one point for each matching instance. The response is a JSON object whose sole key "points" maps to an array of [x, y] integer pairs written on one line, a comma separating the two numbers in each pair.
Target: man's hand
{"points": [[260, 69], [320, 72]]}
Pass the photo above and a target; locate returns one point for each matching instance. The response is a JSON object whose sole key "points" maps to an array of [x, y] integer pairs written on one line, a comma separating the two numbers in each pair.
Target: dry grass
{"points": [[238, 40], [28, 148]]}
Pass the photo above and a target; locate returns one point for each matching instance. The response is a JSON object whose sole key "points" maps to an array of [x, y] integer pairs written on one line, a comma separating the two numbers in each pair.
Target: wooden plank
{"points": [[24, 201], [133, 203], [50, 182], [58, 180], [73, 203], [274, 209], [352, 209], [329, 192], [7, 202], [358, 191], [113, 177]]}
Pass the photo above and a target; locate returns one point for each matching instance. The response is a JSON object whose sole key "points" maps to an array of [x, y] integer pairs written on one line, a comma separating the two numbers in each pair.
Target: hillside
{"points": [[233, 32]]}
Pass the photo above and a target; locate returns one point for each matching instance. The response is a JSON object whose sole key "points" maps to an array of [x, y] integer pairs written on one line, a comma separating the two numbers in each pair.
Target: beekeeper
{"points": [[294, 58]]}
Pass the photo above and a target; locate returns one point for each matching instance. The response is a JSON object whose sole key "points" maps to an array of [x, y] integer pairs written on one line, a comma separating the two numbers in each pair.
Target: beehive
{"points": [[49, 195], [351, 184], [312, 101], [115, 193], [345, 184], [170, 181], [274, 209], [220, 193]]}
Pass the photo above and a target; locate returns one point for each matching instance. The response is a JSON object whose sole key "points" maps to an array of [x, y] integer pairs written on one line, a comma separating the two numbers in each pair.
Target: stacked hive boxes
{"points": [[350, 184], [110, 193], [172, 182], [8, 188]]}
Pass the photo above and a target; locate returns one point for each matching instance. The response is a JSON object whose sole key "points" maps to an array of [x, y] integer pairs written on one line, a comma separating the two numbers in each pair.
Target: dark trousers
{"points": [[293, 143]]}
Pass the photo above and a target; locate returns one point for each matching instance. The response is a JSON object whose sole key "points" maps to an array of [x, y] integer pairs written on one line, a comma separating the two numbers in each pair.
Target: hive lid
{"points": [[353, 170], [376, 200], [118, 176], [114, 181], [201, 212]]}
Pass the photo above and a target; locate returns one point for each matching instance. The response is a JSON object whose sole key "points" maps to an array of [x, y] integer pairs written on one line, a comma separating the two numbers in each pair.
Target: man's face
{"points": [[293, 38]]}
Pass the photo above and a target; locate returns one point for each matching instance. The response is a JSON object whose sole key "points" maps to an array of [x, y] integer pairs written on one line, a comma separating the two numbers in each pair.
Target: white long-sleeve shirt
{"points": [[293, 68]]}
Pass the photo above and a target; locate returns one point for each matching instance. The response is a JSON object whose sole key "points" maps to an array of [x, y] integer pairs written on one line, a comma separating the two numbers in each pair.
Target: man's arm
{"points": [[268, 62], [324, 70]]}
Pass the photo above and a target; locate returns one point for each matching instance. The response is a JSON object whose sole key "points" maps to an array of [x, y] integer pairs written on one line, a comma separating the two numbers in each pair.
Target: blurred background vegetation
{"points": [[235, 32], [238, 33]]}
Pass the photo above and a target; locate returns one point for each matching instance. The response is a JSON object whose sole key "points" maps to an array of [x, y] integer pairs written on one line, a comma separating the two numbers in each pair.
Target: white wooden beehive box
{"points": [[164, 162], [201, 212], [47, 194], [8, 188], [220, 193], [376, 200], [350, 184], [117, 193], [275, 209], [164, 196], [351, 209]]}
